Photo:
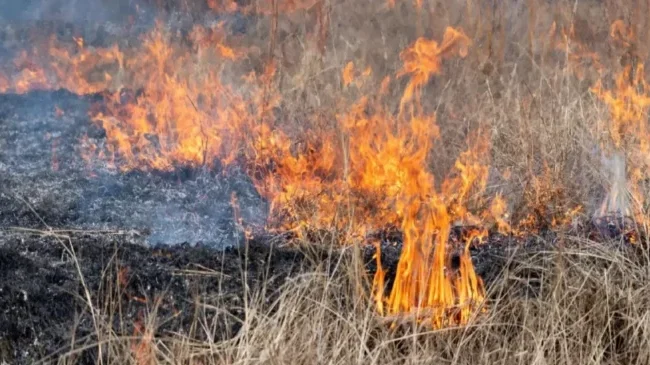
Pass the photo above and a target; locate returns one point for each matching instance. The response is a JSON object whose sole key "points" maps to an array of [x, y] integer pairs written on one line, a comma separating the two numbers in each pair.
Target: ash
{"points": [[45, 182]]}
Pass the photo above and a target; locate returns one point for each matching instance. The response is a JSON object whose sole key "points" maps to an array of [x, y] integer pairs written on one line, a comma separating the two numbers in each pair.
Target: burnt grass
{"points": [[44, 304], [47, 278], [133, 242]]}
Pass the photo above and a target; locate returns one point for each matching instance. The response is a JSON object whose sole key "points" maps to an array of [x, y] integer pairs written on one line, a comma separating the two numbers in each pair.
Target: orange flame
{"points": [[173, 103], [424, 59], [423, 284], [142, 349], [629, 135]]}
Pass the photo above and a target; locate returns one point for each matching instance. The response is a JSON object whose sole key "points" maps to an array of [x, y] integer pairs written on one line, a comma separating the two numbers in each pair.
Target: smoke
{"points": [[69, 11], [617, 200]]}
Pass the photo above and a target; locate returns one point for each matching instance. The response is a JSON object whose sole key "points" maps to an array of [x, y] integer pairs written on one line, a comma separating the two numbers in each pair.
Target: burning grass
{"points": [[560, 299], [573, 313], [424, 119]]}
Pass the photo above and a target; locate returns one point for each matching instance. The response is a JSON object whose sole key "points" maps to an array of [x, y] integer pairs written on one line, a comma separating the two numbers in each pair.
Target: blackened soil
{"points": [[44, 181], [44, 303], [48, 278]]}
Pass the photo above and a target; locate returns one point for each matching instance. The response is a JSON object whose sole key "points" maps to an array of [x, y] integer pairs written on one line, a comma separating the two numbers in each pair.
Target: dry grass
{"points": [[516, 86], [586, 306], [590, 306]]}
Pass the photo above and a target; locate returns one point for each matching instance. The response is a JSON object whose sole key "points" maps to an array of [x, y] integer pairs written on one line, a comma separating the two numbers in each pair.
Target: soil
{"points": [[45, 181], [151, 232]]}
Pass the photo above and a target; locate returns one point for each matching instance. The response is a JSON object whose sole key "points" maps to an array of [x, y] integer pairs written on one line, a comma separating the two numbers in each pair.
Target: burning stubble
{"points": [[204, 99]]}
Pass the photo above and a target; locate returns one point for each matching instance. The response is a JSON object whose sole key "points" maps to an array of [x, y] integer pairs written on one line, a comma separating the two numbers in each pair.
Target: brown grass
{"points": [[590, 306], [564, 306], [516, 86]]}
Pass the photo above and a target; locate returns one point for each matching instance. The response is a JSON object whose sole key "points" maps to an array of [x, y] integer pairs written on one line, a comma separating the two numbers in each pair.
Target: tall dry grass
{"points": [[558, 306], [587, 306], [518, 85], [574, 307]]}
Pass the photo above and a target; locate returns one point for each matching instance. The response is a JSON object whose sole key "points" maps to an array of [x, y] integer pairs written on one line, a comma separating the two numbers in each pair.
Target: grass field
{"points": [[516, 116]]}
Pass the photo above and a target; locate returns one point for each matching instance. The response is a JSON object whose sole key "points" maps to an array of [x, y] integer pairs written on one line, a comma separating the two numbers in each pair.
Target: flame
{"points": [[424, 59], [498, 211], [180, 118], [423, 284], [172, 102], [625, 145], [545, 206], [628, 141], [58, 112], [469, 287], [75, 68], [142, 349]]}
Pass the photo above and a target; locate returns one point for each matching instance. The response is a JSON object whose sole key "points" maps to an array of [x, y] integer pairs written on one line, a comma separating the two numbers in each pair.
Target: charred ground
{"points": [[44, 302], [45, 180], [132, 242], [49, 276]]}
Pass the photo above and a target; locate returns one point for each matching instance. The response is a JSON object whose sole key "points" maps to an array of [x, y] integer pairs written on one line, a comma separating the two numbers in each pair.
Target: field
{"points": [[324, 181]]}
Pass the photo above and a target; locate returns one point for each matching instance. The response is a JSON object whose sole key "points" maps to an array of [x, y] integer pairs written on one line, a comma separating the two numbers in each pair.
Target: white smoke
{"points": [[617, 201]]}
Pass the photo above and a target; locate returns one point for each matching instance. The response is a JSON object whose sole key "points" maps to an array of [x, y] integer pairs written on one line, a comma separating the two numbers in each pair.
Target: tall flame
{"points": [[628, 142], [626, 145], [170, 103]]}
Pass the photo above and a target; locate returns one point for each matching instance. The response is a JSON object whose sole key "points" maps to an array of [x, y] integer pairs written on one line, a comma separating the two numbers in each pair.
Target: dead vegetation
{"points": [[535, 99], [560, 306]]}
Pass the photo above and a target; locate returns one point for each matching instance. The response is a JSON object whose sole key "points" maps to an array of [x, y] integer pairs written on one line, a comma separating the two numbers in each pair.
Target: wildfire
{"points": [[169, 103], [626, 144], [194, 100]]}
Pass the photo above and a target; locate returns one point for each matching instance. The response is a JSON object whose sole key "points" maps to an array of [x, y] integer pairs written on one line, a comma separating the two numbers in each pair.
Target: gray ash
{"points": [[44, 181]]}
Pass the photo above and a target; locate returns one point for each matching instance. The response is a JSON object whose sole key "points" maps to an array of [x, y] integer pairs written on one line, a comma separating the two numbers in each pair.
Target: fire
{"points": [[626, 143], [74, 68], [623, 139], [142, 349], [395, 164], [192, 116], [423, 59], [192, 101], [423, 285]]}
